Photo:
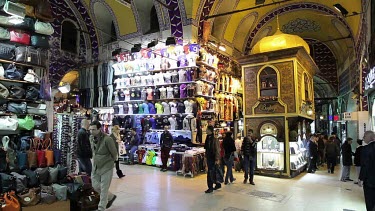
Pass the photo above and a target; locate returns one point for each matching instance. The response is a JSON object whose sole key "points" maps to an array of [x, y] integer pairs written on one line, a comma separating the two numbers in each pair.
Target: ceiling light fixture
{"points": [[341, 9], [257, 2], [136, 48], [222, 48], [64, 87]]}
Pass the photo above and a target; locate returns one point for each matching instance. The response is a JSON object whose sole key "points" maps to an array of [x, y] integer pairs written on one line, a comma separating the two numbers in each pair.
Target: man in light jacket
{"points": [[104, 156]]}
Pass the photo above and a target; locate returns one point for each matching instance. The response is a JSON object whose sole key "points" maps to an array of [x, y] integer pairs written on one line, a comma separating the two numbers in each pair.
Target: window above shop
{"points": [[69, 37], [268, 84]]}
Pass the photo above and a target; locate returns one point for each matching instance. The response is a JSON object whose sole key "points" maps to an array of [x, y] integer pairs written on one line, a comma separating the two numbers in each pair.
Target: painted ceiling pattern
{"points": [[300, 25]]}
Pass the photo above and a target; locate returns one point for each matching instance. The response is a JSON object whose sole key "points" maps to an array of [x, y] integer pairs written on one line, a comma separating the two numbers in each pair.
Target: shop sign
{"points": [[370, 79], [347, 116], [269, 108]]}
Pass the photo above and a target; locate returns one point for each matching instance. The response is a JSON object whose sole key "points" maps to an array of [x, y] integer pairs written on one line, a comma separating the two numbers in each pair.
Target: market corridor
{"points": [[146, 188]]}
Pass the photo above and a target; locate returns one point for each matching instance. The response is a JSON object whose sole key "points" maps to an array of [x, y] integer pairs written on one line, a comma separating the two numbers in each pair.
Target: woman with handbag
{"points": [[229, 149], [115, 135]]}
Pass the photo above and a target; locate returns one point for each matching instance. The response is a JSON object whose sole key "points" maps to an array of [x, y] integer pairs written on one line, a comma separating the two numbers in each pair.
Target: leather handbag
{"points": [[26, 142], [43, 175], [2, 71], [4, 92], [4, 34], [53, 174], [27, 123], [61, 192], [57, 156], [8, 123], [43, 11], [48, 198], [11, 202], [89, 199], [13, 73], [16, 92], [32, 158], [17, 108], [40, 41], [32, 93], [21, 181], [43, 28], [22, 160], [4, 20], [31, 76], [10, 6], [3, 160], [63, 172], [8, 183], [49, 153], [40, 123], [20, 37], [41, 153], [39, 109], [28, 24], [32, 178], [30, 11], [27, 54], [43, 57], [7, 51], [30, 198], [12, 158]]}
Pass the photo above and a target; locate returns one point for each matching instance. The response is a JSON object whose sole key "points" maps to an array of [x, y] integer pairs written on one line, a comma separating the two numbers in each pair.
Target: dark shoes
{"points": [[120, 174], [348, 179], [163, 170], [252, 183], [111, 201], [244, 181], [209, 191], [234, 179], [217, 186]]}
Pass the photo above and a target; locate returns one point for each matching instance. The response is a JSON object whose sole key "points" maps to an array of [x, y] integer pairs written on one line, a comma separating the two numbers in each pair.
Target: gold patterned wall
{"points": [[287, 93], [256, 123], [300, 85], [250, 88]]}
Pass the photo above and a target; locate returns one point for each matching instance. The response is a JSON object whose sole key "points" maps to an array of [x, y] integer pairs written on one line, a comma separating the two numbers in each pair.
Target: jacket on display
{"points": [[347, 154], [166, 139], [104, 153], [84, 147]]}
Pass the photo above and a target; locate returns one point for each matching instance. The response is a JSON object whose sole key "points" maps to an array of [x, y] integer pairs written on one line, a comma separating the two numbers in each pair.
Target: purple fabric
{"points": [[182, 60], [189, 74], [153, 123], [151, 108], [183, 91], [194, 48]]}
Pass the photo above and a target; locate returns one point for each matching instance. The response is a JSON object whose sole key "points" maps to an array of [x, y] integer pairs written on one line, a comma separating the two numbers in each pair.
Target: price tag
{"points": [[90, 198], [29, 59]]}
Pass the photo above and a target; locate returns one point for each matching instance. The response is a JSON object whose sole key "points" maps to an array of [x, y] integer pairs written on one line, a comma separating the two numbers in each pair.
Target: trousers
{"points": [[331, 163], [132, 150], [164, 156], [345, 174], [110, 95], [101, 185], [229, 173], [249, 164], [369, 197], [100, 100], [312, 164], [211, 174], [85, 165]]}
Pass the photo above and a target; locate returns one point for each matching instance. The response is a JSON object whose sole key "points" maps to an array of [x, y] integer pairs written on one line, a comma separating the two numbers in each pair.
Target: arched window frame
{"points": [[306, 88], [78, 36], [270, 74]]}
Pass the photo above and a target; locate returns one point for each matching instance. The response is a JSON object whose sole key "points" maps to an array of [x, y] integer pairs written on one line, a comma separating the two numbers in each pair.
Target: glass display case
{"points": [[297, 154], [270, 152]]}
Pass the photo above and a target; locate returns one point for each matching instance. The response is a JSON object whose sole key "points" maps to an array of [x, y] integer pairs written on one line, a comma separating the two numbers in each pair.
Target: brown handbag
{"points": [[43, 11], [11, 202], [49, 152], [30, 198], [30, 11], [32, 157]]}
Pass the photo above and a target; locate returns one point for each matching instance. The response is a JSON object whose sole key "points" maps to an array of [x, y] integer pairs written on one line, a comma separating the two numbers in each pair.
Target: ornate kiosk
{"points": [[278, 102]]}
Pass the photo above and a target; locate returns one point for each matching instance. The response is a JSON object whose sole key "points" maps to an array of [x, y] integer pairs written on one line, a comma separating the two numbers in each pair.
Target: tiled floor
{"points": [[146, 188]]}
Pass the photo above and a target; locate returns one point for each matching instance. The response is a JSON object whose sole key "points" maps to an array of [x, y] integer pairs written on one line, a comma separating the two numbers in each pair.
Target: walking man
{"points": [[104, 156], [249, 151], [213, 158], [84, 153], [368, 169], [347, 160], [166, 142]]}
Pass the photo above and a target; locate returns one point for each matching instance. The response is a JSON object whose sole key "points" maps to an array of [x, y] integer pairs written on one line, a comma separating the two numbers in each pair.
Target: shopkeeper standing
{"points": [[212, 148], [166, 142], [84, 153], [104, 156]]}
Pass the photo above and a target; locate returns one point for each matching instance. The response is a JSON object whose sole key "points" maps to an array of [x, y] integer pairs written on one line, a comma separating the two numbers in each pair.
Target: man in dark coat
{"points": [[313, 153], [213, 158], [248, 150], [166, 142], [347, 160], [84, 152], [367, 174]]}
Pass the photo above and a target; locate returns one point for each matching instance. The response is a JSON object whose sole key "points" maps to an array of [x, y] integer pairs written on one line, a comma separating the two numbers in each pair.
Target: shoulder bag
{"points": [[40, 41], [32, 93], [43, 11], [20, 37], [32, 158], [27, 123], [40, 123], [4, 92], [48, 194], [8, 182], [21, 181], [3, 160], [60, 191], [49, 153], [16, 92], [2, 71], [8, 123], [22, 160], [27, 54], [7, 51], [31, 76], [28, 24], [12, 158], [11, 202], [9, 5], [13, 73], [89, 199], [43, 28], [30, 198], [53, 174], [4, 34], [17, 108], [38, 109], [4, 20], [43, 175], [41, 153], [63, 172], [32, 178]]}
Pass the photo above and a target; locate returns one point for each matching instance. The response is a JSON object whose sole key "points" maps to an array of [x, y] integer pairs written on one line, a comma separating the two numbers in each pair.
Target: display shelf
{"points": [[206, 65], [157, 85], [22, 100], [18, 81], [206, 96], [161, 130], [21, 64], [166, 99], [206, 81], [128, 101], [268, 88], [270, 152], [151, 71], [151, 114]]}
